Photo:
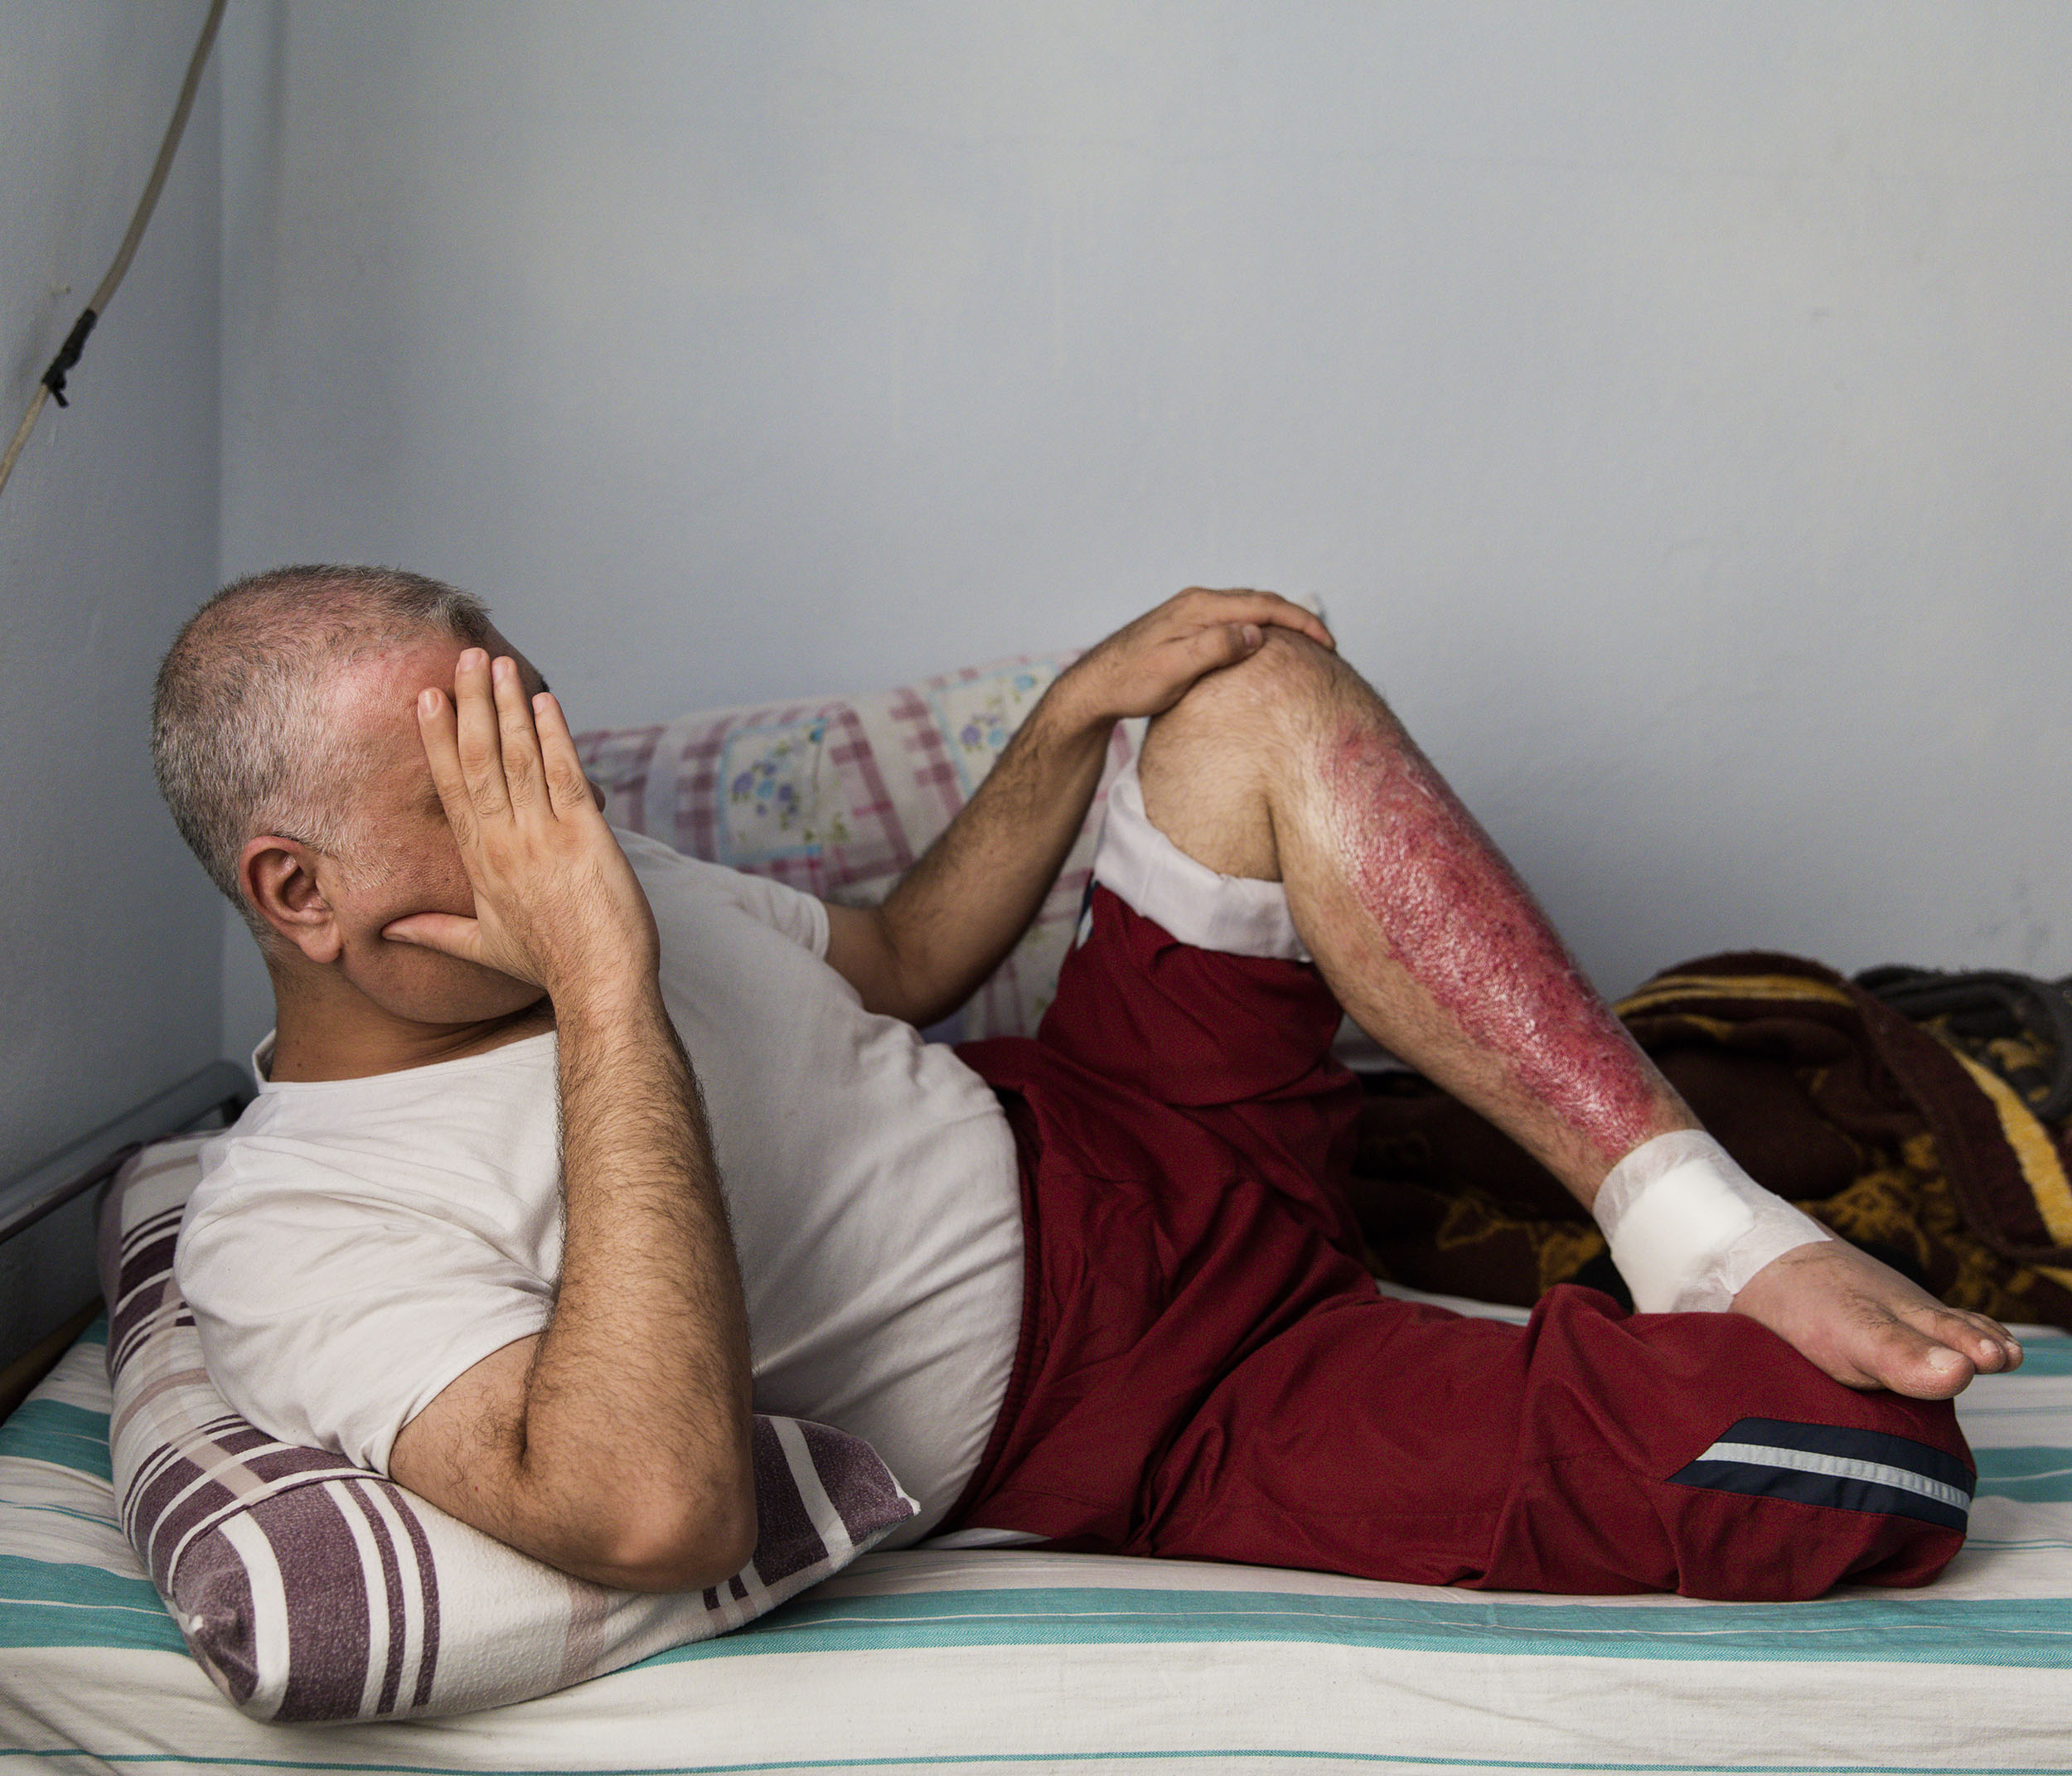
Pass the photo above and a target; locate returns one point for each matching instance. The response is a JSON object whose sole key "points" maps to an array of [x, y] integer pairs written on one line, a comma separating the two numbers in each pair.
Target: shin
{"points": [[1290, 765]]}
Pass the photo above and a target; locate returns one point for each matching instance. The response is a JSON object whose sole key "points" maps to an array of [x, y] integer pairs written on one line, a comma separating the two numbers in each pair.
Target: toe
{"points": [[1910, 1361], [1942, 1371], [1989, 1345]]}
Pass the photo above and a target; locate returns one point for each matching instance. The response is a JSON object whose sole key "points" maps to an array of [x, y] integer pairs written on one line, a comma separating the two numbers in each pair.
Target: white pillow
{"points": [[311, 1589]]}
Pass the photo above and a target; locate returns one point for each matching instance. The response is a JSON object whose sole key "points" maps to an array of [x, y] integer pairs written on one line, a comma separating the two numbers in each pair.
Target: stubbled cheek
{"points": [[1459, 921]]}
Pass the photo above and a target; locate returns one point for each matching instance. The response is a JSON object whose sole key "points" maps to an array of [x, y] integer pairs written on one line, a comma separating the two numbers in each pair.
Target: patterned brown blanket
{"points": [[1916, 1141]]}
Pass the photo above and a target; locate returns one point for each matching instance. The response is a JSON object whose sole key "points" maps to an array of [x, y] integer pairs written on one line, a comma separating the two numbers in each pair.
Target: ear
{"points": [[279, 878]]}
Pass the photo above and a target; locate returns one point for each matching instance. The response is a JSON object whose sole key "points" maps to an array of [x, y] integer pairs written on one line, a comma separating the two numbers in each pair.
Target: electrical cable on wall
{"points": [[52, 384]]}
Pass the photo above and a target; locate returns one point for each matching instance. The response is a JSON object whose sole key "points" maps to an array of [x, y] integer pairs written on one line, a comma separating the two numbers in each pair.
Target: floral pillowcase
{"points": [[839, 796]]}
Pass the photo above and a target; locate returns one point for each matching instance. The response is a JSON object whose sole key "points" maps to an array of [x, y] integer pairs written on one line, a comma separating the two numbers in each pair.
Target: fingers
{"points": [[447, 932], [521, 745], [567, 788], [451, 934], [436, 729], [1208, 650], [488, 752], [477, 741], [1243, 605]]}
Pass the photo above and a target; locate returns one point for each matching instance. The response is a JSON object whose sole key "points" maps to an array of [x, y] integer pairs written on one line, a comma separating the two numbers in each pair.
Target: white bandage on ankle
{"points": [[1688, 1227]]}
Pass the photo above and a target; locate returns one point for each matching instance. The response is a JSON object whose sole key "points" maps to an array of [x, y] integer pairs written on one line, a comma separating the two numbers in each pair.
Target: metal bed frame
{"points": [[220, 1089]]}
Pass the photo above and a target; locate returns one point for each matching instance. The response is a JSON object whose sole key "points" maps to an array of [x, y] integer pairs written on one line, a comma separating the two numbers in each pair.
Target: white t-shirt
{"points": [[354, 1244]]}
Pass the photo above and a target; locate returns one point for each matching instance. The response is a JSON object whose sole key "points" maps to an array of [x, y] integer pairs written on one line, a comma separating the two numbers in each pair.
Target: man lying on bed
{"points": [[1099, 1289]]}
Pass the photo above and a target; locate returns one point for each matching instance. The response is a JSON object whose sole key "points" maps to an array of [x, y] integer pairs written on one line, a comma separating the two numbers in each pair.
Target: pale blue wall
{"points": [[1672, 402], [108, 935]]}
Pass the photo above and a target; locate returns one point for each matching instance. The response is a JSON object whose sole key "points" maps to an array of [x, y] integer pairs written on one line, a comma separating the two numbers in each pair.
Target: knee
{"points": [[1285, 681], [1229, 751], [1216, 762], [1287, 667]]}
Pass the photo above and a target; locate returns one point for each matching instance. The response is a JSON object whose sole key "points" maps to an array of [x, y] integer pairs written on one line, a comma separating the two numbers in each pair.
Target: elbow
{"points": [[684, 1543], [921, 999], [899, 980]]}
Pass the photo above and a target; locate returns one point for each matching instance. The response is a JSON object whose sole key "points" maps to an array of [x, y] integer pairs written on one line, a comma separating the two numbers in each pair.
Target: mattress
{"points": [[999, 1660]]}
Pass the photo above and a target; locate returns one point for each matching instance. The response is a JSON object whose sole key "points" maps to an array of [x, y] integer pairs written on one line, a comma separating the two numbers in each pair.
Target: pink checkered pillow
{"points": [[839, 795]]}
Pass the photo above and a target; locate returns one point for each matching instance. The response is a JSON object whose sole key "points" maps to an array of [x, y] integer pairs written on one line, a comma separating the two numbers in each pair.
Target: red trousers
{"points": [[1207, 1372]]}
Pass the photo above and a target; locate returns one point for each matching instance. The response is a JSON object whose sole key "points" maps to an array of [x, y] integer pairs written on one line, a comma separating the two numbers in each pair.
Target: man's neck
{"points": [[331, 1040]]}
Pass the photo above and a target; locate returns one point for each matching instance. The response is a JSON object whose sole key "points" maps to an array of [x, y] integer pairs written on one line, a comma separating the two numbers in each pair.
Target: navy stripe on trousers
{"points": [[1836, 1466]]}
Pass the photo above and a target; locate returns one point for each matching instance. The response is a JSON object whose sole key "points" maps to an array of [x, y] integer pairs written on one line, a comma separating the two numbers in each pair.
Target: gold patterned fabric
{"points": [[1905, 1139]]}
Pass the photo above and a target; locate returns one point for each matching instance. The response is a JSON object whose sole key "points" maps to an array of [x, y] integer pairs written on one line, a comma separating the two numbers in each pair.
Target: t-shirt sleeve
{"points": [[331, 1318], [786, 910]]}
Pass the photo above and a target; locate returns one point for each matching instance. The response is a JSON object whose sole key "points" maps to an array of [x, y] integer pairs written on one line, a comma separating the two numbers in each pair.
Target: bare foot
{"points": [[1868, 1326]]}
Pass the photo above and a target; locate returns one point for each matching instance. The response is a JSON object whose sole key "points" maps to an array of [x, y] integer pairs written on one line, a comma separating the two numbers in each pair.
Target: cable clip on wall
{"points": [[52, 384]]}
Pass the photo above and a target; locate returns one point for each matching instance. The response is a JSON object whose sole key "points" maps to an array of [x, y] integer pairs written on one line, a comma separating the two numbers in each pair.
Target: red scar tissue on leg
{"points": [[1458, 919]]}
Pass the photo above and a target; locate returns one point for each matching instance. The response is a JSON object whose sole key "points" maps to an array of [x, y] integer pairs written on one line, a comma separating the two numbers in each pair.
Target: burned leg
{"points": [[1288, 767]]}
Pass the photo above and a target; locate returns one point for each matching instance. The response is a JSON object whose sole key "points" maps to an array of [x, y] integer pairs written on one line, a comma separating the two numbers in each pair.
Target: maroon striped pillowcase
{"points": [[310, 1590]]}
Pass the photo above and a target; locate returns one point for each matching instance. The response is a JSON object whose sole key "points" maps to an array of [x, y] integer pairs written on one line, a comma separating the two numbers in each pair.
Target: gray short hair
{"points": [[239, 736]]}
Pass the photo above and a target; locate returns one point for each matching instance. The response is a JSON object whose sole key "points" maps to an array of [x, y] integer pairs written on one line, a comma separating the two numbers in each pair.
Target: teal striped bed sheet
{"points": [[999, 1660]]}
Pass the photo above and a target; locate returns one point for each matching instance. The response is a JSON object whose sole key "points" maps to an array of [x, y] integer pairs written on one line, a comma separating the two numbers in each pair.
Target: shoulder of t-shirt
{"points": [[787, 911], [262, 1233], [328, 1318]]}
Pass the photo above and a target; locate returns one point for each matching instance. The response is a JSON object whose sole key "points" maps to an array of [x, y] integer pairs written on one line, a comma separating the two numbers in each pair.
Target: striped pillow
{"points": [[311, 1589]]}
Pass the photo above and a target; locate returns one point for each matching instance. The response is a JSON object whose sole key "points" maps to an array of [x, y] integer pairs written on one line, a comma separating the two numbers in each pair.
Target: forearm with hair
{"points": [[958, 912], [635, 1432]]}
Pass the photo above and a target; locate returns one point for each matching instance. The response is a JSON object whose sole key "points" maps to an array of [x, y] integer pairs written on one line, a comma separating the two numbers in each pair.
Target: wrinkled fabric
{"points": [[1206, 1371]]}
